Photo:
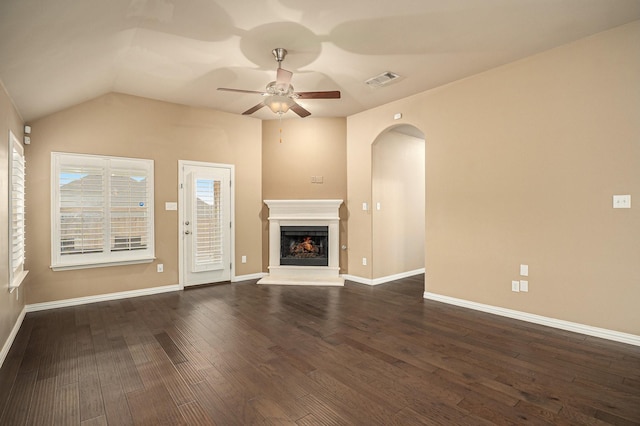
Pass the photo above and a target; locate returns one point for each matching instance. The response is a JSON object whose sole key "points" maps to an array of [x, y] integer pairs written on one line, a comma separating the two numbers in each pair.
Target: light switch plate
{"points": [[171, 206], [622, 201], [515, 286], [524, 286], [524, 270]]}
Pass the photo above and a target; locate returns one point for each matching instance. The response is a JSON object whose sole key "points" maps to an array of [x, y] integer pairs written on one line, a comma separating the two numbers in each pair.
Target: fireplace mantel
{"points": [[304, 213]]}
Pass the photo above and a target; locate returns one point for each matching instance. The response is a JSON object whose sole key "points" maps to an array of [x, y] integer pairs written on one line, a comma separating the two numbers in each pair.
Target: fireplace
{"points": [[304, 242], [304, 245]]}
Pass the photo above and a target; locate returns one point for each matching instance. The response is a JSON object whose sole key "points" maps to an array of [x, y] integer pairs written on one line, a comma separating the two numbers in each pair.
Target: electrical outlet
{"points": [[364, 261], [244, 259], [622, 201], [515, 286], [160, 267], [524, 286]]}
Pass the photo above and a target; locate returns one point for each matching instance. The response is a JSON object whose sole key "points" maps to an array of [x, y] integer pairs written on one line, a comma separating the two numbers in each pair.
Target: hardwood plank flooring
{"points": [[239, 354]]}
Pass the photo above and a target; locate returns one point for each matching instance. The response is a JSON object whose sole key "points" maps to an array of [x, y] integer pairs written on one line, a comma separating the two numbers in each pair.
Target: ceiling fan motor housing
{"points": [[279, 54]]}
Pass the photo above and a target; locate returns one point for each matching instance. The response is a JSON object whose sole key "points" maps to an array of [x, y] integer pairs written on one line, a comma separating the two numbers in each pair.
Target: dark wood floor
{"points": [[247, 354]]}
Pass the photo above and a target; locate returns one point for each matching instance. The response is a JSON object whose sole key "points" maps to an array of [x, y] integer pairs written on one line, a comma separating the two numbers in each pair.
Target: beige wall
{"points": [[310, 147], [398, 185], [521, 165], [11, 304], [129, 126]]}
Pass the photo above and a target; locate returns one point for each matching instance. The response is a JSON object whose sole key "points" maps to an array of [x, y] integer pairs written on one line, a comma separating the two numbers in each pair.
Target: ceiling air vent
{"points": [[382, 79]]}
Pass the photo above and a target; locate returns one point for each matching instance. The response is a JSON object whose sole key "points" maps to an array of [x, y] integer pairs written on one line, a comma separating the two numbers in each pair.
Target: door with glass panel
{"points": [[205, 214]]}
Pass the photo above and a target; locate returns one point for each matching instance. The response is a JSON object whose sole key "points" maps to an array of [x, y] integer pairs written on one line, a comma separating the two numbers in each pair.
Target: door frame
{"points": [[232, 196]]}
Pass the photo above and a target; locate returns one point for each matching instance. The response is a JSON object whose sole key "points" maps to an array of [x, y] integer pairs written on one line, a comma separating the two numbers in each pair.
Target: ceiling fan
{"points": [[279, 95]]}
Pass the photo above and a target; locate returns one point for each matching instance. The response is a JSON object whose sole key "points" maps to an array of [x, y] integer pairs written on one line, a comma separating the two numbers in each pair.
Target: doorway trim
{"points": [[181, 187]]}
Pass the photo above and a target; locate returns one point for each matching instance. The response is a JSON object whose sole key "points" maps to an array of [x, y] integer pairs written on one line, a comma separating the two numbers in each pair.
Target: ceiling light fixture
{"points": [[279, 104]]}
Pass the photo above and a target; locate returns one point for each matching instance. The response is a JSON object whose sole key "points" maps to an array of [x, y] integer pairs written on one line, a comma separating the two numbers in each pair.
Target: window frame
{"points": [[17, 272], [109, 256]]}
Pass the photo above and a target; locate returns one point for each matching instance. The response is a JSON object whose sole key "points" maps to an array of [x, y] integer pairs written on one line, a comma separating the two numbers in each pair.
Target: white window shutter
{"points": [[207, 229], [81, 209], [129, 215], [17, 208], [102, 211]]}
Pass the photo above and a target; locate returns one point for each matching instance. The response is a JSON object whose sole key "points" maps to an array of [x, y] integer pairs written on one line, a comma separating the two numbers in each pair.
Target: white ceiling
{"points": [[57, 53]]}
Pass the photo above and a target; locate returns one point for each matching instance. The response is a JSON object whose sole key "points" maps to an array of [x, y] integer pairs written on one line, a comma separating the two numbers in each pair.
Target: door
{"points": [[205, 214]]}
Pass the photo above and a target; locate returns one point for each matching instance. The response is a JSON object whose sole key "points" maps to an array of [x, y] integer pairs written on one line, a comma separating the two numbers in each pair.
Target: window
{"points": [[102, 211], [17, 212]]}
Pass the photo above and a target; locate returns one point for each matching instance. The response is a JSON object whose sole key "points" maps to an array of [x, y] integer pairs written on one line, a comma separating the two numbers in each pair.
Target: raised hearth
{"points": [[304, 242]]}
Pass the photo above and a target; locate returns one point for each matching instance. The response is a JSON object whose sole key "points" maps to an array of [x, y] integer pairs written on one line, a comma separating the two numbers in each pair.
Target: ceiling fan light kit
{"points": [[278, 104], [279, 95]]}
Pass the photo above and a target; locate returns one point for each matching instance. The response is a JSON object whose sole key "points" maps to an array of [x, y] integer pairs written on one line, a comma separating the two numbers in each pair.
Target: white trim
{"points": [[603, 333], [12, 336], [356, 279], [35, 307], [248, 277], [401, 275], [62, 267], [17, 280], [382, 280]]}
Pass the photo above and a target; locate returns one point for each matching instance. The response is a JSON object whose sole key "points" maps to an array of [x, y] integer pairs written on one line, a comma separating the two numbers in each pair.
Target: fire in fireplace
{"points": [[304, 245]]}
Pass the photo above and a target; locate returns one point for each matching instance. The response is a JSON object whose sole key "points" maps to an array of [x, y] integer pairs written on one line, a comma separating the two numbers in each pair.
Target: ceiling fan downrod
{"points": [[279, 53]]}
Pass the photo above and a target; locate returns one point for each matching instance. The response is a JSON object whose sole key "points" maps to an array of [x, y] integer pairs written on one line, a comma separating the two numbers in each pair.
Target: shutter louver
{"points": [[208, 248], [17, 209], [129, 206], [81, 210]]}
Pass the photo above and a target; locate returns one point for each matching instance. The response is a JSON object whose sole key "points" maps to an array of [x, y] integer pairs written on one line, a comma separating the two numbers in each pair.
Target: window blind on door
{"points": [[208, 241]]}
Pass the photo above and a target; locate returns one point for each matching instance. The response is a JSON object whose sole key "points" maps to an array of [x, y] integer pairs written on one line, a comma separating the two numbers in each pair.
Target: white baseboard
{"points": [[603, 333], [12, 336], [248, 277], [382, 280], [101, 298]]}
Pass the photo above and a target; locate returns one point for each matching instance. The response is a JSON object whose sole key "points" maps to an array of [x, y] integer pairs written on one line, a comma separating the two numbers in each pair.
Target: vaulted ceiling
{"points": [[57, 53]]}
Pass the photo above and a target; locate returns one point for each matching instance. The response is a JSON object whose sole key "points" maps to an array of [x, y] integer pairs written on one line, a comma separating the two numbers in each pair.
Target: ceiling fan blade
{"points": [[224, 89], [335, 94], [253, 109], [283, 77], [300, 111]]}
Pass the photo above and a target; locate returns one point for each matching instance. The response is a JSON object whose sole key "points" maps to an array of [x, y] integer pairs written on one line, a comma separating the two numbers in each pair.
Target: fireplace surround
{"points": [[304, 242]]}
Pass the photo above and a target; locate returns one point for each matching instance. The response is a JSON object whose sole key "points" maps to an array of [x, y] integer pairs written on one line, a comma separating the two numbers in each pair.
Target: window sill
{"points": [[17, 280], [101, 264]]}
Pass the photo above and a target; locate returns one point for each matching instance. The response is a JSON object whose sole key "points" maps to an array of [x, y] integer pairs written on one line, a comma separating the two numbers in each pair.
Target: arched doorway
{"points": [[398, 196]]}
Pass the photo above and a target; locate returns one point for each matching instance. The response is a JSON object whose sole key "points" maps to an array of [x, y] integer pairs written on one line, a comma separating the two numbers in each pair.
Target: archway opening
{"points": [[398, 196]]}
